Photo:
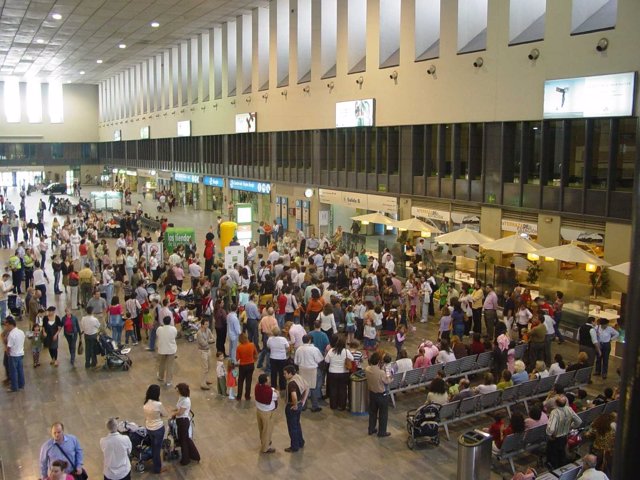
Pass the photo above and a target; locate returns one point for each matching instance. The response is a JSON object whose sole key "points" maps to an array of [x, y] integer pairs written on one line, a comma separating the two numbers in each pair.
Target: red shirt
{"points": [[83, 249], [245, 353], [282, 304]]}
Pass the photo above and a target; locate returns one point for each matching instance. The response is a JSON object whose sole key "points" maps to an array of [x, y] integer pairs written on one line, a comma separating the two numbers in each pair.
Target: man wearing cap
{"points": [[15, 352]]}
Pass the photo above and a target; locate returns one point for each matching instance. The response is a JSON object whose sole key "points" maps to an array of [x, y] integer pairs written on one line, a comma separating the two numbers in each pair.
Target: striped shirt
{"points": [[561, 421]]}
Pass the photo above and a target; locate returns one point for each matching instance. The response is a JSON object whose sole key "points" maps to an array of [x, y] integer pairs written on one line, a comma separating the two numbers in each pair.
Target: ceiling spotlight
{"points": [[431, 70], [40, 41], [284, 93], [330, 85], [155, 24], [534, 54], [233, 102], [56, 16], [122, 45], [478, 62], [603, 44], [306, 89], [98, 61], [394, 75], [265, 96], [81, 72], [360, 81], [248, 99]]}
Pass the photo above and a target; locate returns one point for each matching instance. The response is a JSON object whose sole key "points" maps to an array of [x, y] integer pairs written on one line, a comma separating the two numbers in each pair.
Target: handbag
{"points": [[80, 346], [76, 476]]}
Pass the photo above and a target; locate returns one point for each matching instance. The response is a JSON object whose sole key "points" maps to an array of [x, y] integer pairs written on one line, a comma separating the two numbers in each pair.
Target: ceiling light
{"points": [[56, 16], [155, 24], [122, 45], [81, 72], [39, 40], [98, 61]]}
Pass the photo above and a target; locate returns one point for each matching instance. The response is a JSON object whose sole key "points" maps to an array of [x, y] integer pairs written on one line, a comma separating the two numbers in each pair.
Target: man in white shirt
{"points": [[308, 358], [549, 324], [5, 287], [195, 272], [273, 256], [589, 471], [167, 349], [90, 326], [15, 353], [296, 334], [116, 449], [121, 242], [75, 245]]}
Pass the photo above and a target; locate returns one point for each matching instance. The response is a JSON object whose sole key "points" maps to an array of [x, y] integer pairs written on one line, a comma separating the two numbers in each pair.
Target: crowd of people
{"points": [[303, 310]]}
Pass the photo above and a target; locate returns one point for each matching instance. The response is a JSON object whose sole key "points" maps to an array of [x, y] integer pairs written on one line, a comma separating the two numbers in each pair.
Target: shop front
{"points": [[123, 179], [10, 177], [292, 208], [185, 189], [147, 182], [164, 181], [258, 194], [212, 193]]}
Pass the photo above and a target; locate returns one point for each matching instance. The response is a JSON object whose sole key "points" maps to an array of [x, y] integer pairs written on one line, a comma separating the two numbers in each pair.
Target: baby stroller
{"points": [[423, 423], [152, 288], [140, 442], [190, 328], [171, 444], [16, 306], [115, 357]]}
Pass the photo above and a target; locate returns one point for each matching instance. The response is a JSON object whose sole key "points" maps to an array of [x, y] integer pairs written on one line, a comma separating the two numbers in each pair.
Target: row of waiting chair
{"points": [[523, 393], [519, 443], [421, 377]]}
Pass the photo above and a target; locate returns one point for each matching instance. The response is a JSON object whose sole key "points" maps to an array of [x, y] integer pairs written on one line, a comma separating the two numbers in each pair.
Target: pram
{"points": [[171, 444], [115, 357], [140, 442], [423, 423], [189, 328], [16, 306]]}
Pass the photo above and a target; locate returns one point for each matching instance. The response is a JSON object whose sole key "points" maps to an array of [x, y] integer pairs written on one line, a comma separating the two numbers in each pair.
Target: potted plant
{"points": [[533, 272]]}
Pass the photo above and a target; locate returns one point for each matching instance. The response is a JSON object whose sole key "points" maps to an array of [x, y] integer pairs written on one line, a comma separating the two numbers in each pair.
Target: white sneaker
{"points": [[423, 321]]}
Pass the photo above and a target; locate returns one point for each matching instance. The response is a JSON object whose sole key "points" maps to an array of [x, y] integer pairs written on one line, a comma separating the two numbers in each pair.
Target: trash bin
{"points": [[474, 456], [359, 394]]}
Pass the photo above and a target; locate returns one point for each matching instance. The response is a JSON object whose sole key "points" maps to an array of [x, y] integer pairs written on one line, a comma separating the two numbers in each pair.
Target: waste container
{"points": [[359, 394], [474, 455]]}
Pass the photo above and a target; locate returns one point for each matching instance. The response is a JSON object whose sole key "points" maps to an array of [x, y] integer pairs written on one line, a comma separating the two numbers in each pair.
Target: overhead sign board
{"points": [[213, 181], [363, 201], [249, 186], [186, 177]]}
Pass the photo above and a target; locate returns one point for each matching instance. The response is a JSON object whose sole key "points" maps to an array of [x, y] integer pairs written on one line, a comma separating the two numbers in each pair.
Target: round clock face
{"points": [[308, 193]]}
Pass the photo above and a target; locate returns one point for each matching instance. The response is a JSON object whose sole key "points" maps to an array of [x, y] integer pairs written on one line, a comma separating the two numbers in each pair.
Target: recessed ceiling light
{"points": [[122, 45], [98, 61], [81, 72], [68, 81], [155, 24], [56, 16], [39, 40]]}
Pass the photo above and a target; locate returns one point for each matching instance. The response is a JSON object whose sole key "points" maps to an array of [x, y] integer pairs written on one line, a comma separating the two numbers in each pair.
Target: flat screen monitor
{"points": [[117, 135], [584, 97], [184, 128], [246, 122], [356, 113], [144, 133]]}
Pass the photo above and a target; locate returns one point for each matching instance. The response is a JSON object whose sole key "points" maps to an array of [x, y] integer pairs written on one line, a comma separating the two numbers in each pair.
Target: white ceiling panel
{"points": [[92, 29]]}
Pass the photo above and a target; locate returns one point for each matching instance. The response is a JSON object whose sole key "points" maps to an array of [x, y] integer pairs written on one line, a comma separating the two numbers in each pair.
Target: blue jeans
{"points": [[252, 332], [152, 338], [294, 427], [16, 372], [316, 393], [556, 327], [263, 357], [602, 360], [116, 332], [233, 345], [156, 448], [280, 318], [3, 309], [108, 291]]}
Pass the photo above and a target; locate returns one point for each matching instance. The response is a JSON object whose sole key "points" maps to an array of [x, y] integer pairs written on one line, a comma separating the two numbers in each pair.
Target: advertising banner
{"points": [[178, 236]]}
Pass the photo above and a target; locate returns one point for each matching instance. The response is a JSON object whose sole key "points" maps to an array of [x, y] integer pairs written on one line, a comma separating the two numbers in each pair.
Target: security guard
{"points": [[16, 272]]}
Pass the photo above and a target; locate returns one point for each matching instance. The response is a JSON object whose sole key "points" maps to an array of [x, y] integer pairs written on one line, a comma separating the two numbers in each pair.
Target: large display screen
{"points": [[144, 133], [184, 128], [356, 113], [246, 122], [597, 96], [117, 135]]}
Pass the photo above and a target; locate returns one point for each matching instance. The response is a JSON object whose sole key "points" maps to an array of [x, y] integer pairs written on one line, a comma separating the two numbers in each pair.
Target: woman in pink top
{"points": [[421, 361], [115, 319]]}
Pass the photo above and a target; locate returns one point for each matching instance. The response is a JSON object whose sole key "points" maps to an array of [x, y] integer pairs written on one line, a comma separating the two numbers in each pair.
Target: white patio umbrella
{"points": [[512, 244], [464, 236], [571, 253], [623, 268], [373, 218], [415, 225]]}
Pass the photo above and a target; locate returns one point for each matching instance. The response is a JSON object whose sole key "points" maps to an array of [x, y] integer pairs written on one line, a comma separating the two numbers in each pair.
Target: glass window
{"points": [[475, 151], [462, 150], [328, 37], [350, 153], [431, 149], [56, 110], [626, 153], [472, 25], [57, 150], [419, 147], [389, 33], [448, 154], [576, 153], [357, 35], [427, 29], [372, 139], [393, 150], [600, 149], [382, 151], [34, 102], [591, 16], [512, 158], [12, 100], [552, 160], [532, 145], [526, 21]]}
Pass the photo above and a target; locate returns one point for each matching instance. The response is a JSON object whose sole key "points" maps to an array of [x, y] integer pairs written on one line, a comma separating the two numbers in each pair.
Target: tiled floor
{"points": [[337, 445]]}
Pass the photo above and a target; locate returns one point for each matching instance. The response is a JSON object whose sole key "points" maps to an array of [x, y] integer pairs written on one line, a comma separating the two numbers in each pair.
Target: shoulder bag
{"points": [[76, 476]]}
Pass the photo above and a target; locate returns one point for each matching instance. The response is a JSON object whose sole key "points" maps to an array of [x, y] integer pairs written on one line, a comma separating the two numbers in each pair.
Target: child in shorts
{"points": [[129, 330], [36, 345]]}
